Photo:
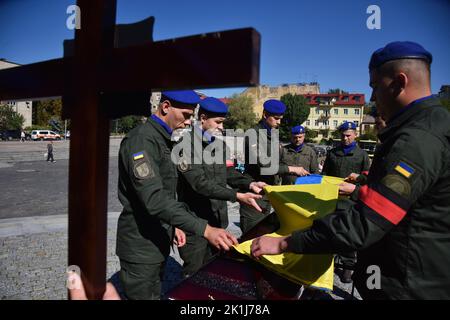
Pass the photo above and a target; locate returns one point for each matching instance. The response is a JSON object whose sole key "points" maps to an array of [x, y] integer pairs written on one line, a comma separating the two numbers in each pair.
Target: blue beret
{"points": [[182, 96], [347, 126], [214, 105], [399, 50], [297, 130], [274, 106]]}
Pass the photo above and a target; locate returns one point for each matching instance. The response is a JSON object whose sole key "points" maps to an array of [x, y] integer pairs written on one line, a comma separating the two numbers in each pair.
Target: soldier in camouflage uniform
{"points": [[400, 225], [147, 190]]}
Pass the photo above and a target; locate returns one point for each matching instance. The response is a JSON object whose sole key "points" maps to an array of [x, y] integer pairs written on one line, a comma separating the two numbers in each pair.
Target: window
{"points": [[316, 122], [356, 98], [357, 112], [336, 111], [357, 123], [325, 122], [308, 122], [345, 98], [335, 123], [345, 111], [317, 111]]}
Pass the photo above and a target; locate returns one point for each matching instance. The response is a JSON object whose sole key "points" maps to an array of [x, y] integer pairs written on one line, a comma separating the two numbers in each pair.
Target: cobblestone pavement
{"points": [[33, 224]]}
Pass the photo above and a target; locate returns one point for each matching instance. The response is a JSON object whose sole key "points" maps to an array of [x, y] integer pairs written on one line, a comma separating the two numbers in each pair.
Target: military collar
{"points": [[294, 148], [410, 111], [264, 125], [340, 150], [155, 124]]}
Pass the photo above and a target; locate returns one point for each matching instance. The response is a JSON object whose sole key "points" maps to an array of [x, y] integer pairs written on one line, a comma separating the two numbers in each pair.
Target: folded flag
{"points": [[297, 206]]}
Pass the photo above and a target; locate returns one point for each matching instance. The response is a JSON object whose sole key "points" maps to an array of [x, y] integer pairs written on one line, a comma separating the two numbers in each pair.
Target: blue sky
{"points": [[322, 40]]}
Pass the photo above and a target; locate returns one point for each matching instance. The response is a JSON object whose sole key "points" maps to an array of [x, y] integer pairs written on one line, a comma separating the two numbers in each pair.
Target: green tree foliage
{"points": [[241, 115], [46, 110], [370, 134], [296, 113], [310, 135], [337, 91], [336, 134], [125, 124], [9, 119]]}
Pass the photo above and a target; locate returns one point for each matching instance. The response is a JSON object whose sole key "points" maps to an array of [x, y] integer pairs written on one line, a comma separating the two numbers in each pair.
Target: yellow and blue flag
{"points": [[297, 206], [404, 169], [138, 155]]}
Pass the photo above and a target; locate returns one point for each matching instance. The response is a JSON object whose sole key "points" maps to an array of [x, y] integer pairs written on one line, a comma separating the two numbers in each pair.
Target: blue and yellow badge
{"points": [[138, 155], [404, 169]]}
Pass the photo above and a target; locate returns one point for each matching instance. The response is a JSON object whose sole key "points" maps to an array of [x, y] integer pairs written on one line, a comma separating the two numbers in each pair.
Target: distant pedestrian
{"points": [[22, 136], [50, 152]]}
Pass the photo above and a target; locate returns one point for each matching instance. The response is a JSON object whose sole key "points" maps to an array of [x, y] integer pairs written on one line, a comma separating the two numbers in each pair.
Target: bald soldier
{"points": [[400, 225], [147, 190]]}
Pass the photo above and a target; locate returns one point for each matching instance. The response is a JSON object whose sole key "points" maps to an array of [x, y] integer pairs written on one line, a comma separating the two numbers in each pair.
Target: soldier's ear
{"points": [[203, 117], [164, 106]]}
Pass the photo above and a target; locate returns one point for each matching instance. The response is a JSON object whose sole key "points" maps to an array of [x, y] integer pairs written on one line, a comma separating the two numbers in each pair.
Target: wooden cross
{"points": [[92, 80]]}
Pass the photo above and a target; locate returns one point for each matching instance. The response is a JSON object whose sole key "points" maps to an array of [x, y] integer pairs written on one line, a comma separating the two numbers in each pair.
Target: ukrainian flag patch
{"points": [[404, 169], [138, 155]]}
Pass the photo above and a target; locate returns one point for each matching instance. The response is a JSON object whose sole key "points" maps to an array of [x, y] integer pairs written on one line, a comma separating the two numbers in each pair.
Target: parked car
{"points": [[44, 135], [13, 135]]}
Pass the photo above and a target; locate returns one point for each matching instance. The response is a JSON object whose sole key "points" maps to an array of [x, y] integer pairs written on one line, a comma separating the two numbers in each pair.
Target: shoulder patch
{"points": [[404, 169], [143, 170], [397, 183]]}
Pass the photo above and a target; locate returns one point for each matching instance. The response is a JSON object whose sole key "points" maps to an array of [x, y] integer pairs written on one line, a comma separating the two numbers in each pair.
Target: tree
{"points": [[9, 119], [297, 112], [241, 115], [337, 91], [46, 111], [125, 124], [370, 134], [310, 135]]}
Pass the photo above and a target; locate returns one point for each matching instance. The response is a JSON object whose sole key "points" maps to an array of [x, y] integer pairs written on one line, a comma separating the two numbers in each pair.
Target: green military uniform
{"points": [[401, 222], [338, 164], [147, 191], [306, 157], [203, 187], [249, 217]]}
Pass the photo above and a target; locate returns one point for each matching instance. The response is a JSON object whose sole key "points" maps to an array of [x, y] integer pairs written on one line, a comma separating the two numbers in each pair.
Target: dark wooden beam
{"points": [[89, 146], [219, 59]]}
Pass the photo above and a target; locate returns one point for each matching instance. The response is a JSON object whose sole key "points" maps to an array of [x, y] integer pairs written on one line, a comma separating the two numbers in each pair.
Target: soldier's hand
{"points": [[257, 186], [249, 199], [346, 188], [180, 238], [268, 245], [352, 177], [299, 171], [219, 238]]}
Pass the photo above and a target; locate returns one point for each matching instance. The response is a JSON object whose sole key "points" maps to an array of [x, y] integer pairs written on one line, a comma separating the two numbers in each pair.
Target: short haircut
{"points": [[417, 70]]}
